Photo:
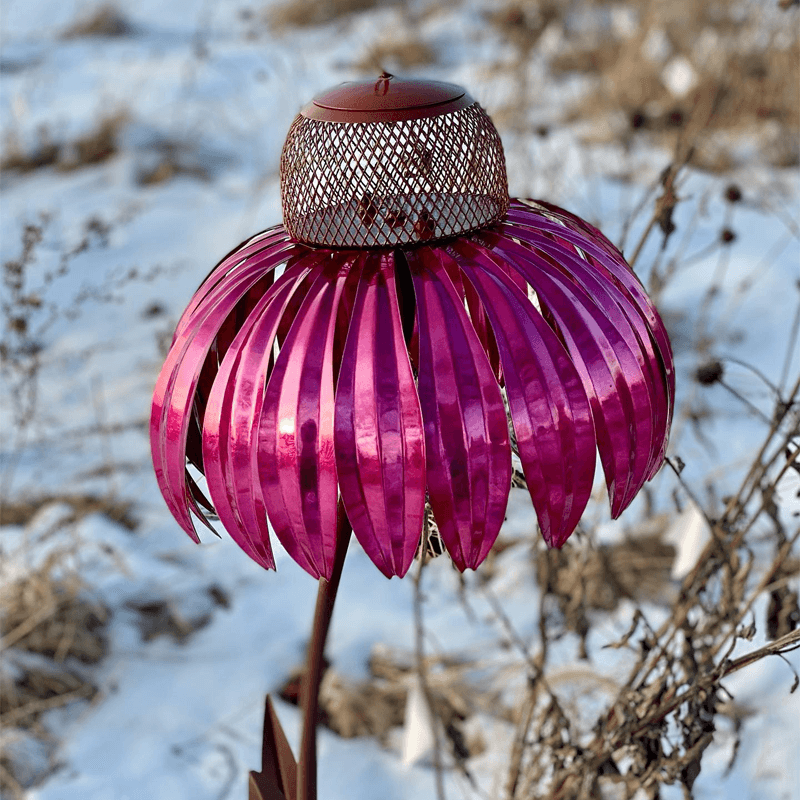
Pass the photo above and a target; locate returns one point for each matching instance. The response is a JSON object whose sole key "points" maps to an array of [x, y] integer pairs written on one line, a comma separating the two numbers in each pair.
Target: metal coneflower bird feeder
{"points": [[336, 371]]}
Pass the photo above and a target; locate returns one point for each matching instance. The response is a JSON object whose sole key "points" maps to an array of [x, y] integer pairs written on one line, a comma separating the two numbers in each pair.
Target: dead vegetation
{"points": [[162, 160], [94, 147], [156, 617], [305, 13], [104, 21], [169, 159], [47, 614], [22, 511], [522, 23], [660, 716], [599, 578], [377, 705], [660, 68], [399, 53], [51, 630], [29, 308]]}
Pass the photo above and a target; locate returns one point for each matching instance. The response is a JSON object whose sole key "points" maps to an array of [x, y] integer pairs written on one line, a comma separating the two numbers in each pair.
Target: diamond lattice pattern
{"points": [[378, 184]]}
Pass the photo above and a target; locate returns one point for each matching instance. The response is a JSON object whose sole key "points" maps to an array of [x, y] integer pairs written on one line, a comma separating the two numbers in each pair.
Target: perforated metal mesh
{"points": [[377, 184]]}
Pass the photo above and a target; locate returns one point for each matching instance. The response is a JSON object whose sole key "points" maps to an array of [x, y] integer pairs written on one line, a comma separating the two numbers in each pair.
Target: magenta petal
{"points": [[477, 313], [581, 226], [480, 321], [611, 262], [296, 460], [549, 407], [380, 452], [617, 306], [175, 392], [611, 374], [244, 258], [466, 431], [230, 453]]}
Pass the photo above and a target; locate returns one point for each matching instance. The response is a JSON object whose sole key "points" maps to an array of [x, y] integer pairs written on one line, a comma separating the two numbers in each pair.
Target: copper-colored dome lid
{"points": [[391, 162], [388, 99]]}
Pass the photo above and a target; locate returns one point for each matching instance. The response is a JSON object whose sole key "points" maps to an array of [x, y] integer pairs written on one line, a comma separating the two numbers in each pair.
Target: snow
{"points": [[679, 76], [180, 720]]}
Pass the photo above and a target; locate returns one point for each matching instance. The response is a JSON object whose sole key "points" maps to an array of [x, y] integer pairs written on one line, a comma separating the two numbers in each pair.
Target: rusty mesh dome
{"points": [[391, 162]]}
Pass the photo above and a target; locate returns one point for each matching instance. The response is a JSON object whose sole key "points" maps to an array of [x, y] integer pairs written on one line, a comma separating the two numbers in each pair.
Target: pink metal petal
{"points": [[480, 321], [579, 225], [610, 371], [477, 313], [241, 258], [296, 459], [549, 407], [223, 340], [175, 392], [610, 261], [380, 451], [620, 311], [172, 409], [466, 432], [229, 443]]}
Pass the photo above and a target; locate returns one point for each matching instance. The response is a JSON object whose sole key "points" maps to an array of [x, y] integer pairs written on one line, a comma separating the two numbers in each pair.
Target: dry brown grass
{"points": [[175, 159], [376, 705], [49, 626], [105, 21], [157, 618], [522, 23], [745, 73], [399, 53], [304, 13], [94, 147], [21, 511], [47, 614], [599, 578]]}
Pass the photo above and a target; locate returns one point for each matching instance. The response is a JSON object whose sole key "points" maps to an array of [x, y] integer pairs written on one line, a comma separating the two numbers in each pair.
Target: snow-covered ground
{"points": [[214, 84]]}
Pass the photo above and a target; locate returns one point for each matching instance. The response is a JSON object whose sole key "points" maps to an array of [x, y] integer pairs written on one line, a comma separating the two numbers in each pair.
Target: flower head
{"points": [[300, 374]]}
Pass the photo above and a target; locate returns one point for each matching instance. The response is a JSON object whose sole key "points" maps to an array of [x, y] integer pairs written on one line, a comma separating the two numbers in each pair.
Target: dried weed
{"points": [[50, 615], [173, 160], [50, 627], [161, 618], [304, 13], [104, 21], [94, 147], [399, 53], [373, 707], [723, 69], [21, 511]]}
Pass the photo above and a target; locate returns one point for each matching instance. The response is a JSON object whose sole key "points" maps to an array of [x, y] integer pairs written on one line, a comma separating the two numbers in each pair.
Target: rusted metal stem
{"points": [[326, 596]]}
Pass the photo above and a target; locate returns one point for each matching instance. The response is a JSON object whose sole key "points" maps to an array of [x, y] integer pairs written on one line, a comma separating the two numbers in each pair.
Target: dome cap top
{"points": [[387, 99]]}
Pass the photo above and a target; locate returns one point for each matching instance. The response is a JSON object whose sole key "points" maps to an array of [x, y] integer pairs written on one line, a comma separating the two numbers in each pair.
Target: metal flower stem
{"points": [[326, 596]]}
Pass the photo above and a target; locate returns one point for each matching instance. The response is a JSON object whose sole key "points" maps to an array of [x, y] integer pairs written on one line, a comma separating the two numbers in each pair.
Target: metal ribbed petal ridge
{"points": [[300, 375], [380, 452], [466, 432], [549, 407], [296, 460]]}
